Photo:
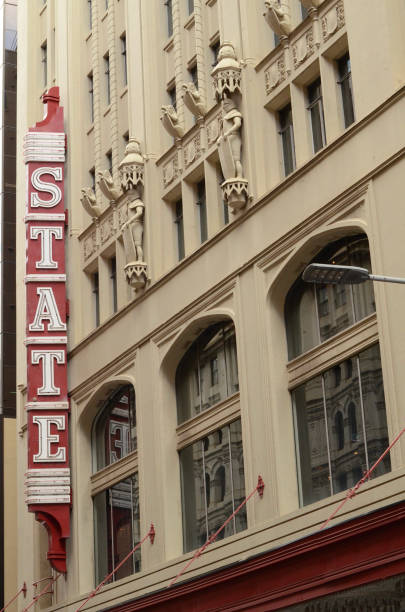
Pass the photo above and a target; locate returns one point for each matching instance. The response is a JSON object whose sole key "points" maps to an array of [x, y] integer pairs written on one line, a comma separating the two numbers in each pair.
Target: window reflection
{"points": [[341, 429], [208, 372], [213, 486]]}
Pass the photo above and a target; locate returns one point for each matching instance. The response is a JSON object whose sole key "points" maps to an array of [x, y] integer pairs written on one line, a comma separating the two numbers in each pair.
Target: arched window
{"points": [[116, 504], [208, 372], [313, 315], [206, 376]]}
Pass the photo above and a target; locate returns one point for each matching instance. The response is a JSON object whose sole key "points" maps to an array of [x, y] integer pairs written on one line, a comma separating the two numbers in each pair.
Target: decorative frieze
{"points": [[107, 229], [303, 48], [275, 74], [90, 245], [214, 129], [171, 170], [192, 150], [333, 21]]}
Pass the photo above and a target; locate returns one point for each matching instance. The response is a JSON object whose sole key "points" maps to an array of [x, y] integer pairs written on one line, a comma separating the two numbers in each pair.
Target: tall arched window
{"points": [[116, 499], [207, 379], [329, 460]]}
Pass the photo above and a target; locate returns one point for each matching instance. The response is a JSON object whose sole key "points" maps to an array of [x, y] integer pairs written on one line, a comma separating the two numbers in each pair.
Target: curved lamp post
{"points": [[343, 275]]}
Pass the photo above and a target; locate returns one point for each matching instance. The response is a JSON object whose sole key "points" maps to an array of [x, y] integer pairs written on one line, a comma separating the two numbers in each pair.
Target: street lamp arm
{"points": [[387, 279]]}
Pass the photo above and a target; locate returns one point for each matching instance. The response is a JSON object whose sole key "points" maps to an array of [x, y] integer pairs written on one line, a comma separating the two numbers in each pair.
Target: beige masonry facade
{"points": [[219, 239]]}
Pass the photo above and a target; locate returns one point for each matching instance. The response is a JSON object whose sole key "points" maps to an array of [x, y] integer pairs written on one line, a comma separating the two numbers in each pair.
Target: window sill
{"points": [[169, 45], [107, 110], [124, 92], [105, 15], [43, 9], [89, 35], [190, 22], [90, 130], [113, 473], [208, 421]]}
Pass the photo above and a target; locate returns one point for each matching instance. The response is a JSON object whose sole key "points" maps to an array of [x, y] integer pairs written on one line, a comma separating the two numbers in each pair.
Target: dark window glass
{"points": [[116, 520], [315, 107], [109, 162], [190, 6], [44, 53], [202, 205], [89, 4], [114, 434], [194, 75], [213, 356], [172, 96], [345, 82], [215, 50], [287, 138], [124, 58], [315, 313], [113, 277], [180, 229], [91, 96], [107, 77], [96, 298], [340, 431], [92, 173], [304, 12], [213, 486], [169, 13]]}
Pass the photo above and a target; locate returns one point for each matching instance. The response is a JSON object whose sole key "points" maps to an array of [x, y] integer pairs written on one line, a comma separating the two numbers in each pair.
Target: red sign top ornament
{"points": [[48, 475]]}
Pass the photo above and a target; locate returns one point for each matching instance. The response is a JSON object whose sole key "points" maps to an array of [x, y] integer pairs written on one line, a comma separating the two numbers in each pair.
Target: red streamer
{"points": [[150, 534], [352, 492], [44, 591], [259, 488]]}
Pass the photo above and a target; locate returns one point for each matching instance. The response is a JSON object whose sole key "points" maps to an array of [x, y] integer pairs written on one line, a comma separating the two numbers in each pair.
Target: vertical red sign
{"points": [[48, 474]]}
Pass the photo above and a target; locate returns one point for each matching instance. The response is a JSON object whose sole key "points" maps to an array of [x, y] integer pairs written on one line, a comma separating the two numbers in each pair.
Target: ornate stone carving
{"points": [[90, 245], [192, 150], [234, 187], [303, 48], [136, 274], [106, 229], [89, 203], [333, 21], [107, 186], [171, 171], [132, 166], [278, 17], [214, 129], [227, 73], [275, 74], [170, 121], [132, 230], [192, 99]]}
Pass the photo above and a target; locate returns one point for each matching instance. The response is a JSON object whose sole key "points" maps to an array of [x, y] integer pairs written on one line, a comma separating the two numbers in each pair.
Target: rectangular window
{"points": [[224, 204], [89, 5], [202, 205], [169, 14], [194, 75], [287, 138], [109, 162], [91, 96], [180, 229], [92, 173], [107, 77], [124, 58], [171, 92], [345, 82], [215, 50], [190, 6], [96, 298], [315, 107], [44, 60], [213, 486], [113, 278], [341, 426], [117, 529]]}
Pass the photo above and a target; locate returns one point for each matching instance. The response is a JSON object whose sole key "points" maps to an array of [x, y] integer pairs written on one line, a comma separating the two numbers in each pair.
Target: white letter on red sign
{"points": [[48, 310], [45, 439], [47, 187], [46, 234], [48, 380]]}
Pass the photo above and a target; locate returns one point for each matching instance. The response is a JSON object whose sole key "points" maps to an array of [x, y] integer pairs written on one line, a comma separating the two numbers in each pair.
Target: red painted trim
{"points": [[363, 550]]}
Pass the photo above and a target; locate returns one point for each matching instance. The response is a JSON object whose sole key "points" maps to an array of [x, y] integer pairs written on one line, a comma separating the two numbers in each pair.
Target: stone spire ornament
{"points": [[227, 73]]}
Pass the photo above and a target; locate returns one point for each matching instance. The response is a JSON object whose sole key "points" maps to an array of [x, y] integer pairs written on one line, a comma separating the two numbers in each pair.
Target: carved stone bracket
{"points": [[235, 193], [227, 73], [136, 274], [170, 121], [89, 203], [193, 100], [131, 168], [278, 17], [108, 187]]}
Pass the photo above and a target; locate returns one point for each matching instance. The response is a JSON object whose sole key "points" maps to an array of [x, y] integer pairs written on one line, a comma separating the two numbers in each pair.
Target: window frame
{"points": [[315, 103], [346, 89], [286, 131]]}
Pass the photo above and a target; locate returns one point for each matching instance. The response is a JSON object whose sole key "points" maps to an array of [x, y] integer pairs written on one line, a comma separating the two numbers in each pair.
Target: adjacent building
{"points": [[213, 149]]}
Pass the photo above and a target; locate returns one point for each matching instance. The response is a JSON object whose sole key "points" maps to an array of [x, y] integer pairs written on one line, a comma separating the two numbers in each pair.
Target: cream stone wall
{"points": [[242, 271], [10, 520]]}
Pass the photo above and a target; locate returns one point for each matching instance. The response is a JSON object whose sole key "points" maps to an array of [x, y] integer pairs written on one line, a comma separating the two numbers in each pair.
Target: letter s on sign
{"points": [[46, 187]]}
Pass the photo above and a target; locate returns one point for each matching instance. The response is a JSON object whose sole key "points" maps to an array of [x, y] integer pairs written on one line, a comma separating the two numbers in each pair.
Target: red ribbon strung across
{"points": [[352, 492], [259, 488], [45, 591], [150, 534], [22, 590]]}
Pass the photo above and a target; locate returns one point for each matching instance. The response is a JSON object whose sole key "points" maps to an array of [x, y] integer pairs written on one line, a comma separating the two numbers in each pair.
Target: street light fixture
{"points": [[343, 275]]}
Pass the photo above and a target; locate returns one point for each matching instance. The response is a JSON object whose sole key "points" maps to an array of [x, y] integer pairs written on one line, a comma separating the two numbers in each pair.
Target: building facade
{"points": [[214, 148]]}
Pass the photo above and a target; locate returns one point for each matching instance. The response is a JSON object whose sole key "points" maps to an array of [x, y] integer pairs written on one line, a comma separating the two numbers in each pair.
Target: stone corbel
{"points": [[227, 73], [278, 17], [89, 203], [193, 100], [170, 121], [108, 187]]}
